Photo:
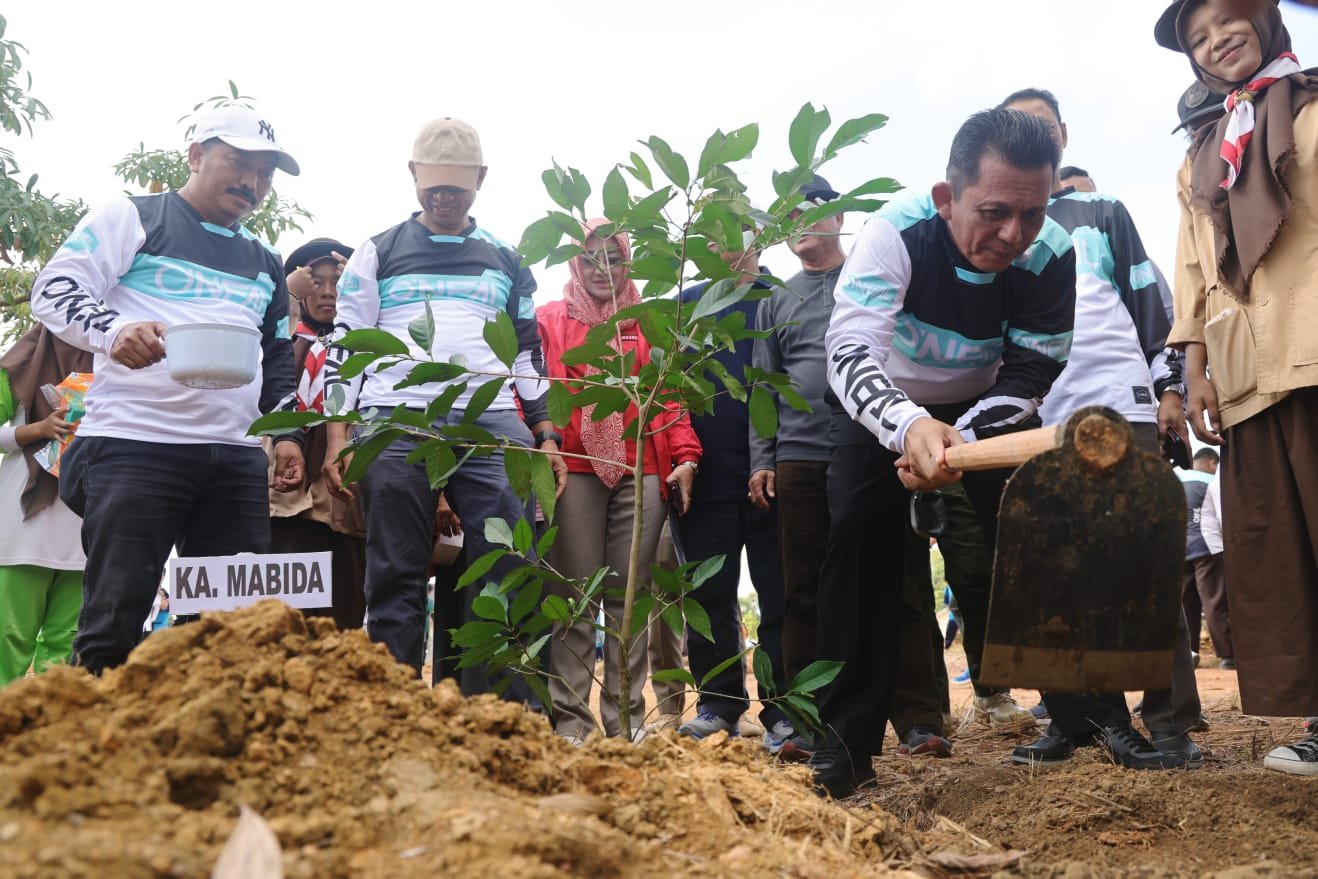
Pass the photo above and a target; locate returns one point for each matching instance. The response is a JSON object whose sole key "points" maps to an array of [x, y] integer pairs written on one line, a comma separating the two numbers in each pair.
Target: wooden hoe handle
{"points": [[1010, 450]]}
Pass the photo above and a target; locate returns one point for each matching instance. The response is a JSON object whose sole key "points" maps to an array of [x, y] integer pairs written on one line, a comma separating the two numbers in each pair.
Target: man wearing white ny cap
{"points": [[157, 464], [439, 260]]}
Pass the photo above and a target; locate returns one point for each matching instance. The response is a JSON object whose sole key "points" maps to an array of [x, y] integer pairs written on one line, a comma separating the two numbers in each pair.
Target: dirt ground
{"points": [[360, 771]]}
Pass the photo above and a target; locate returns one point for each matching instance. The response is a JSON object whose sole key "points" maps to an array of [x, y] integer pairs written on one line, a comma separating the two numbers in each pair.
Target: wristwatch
{"points": [[1178, 389], [695, 468], [544, 436]]}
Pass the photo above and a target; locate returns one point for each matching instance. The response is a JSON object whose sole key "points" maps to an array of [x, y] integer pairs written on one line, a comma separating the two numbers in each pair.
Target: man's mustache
{"points": [[243, 192]]}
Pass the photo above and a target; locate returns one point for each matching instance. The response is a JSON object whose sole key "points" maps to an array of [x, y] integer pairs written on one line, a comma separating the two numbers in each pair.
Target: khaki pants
{"points": [[595, 531]]}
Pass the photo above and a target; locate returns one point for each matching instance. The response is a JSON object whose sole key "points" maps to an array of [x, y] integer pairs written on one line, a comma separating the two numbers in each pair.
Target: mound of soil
{"points": [[361, 770]]}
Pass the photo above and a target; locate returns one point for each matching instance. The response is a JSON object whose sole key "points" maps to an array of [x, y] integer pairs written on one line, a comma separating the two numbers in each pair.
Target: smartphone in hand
{"points": [[675, 499]]}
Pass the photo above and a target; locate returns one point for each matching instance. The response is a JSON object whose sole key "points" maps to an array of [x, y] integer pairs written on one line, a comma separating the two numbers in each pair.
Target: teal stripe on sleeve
{"points": [[1054, 345]]}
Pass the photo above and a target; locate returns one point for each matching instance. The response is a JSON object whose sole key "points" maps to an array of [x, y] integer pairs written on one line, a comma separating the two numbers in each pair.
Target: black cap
{"points": [[1198, 104], [1165, 30], [314, 251], [818, 190]]}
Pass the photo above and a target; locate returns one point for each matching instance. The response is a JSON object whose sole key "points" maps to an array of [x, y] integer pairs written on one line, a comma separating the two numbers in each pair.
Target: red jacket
{"points": [[665, 449]]}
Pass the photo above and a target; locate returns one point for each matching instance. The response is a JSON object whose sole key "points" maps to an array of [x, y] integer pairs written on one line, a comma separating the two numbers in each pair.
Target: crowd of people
{"points": [[1003, 297]]}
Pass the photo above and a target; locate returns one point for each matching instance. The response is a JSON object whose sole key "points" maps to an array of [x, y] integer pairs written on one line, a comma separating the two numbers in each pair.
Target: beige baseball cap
{"points": [[447, 152]]}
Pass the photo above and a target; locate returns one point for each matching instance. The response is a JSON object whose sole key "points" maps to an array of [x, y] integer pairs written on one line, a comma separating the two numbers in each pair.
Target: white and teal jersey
{"points": [[915, 325], [1118, 358], [465, 280], [153, 258]]}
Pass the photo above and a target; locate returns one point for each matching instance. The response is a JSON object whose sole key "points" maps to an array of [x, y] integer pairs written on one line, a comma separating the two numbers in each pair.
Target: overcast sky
{"points": [[582, 82]]}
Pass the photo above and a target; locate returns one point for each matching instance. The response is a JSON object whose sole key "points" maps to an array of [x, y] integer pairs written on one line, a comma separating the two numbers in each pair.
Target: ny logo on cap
{"points": [[268, 130]]}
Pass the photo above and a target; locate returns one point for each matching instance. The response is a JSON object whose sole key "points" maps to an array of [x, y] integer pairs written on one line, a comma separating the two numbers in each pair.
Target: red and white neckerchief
{"points": [[311, 380], [1240, 104]]}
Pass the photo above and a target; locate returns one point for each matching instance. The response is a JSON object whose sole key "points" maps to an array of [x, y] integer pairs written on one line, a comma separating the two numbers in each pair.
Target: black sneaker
{"points": [[835, 774], [1178, 746], [924, 741], [1133, 751], [1297, 758], [1051, 747]]}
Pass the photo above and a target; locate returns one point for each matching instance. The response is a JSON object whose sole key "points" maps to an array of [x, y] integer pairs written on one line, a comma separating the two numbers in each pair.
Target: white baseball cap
{"points": [[243, 129]]}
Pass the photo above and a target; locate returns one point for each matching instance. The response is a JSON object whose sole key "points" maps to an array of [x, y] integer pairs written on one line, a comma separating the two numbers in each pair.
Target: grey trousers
{"points": [[595, 531]]}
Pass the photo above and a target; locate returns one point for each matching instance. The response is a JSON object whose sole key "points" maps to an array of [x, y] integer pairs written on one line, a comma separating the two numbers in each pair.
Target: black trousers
{"points": [[137, 500], [714, 527], [860, 586]]}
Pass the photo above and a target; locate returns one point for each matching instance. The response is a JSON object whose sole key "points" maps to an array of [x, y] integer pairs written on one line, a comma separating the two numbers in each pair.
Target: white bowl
{"points": [[212, 356]]}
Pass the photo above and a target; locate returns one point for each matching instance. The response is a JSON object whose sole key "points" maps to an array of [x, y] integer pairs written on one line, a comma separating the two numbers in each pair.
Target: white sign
{"points": [[225, 582]]}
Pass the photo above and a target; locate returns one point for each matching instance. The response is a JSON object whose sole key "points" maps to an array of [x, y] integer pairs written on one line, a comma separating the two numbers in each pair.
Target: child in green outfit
{"points": [[41, 558]]}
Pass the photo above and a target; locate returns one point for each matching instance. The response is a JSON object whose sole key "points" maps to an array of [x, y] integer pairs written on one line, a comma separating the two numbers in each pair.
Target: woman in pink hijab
{"points": [[595, 512]]}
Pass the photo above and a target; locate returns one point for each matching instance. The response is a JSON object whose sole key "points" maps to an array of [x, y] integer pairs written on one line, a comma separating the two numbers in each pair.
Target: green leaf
{"points": [[640, 171], [481, 400], [440, 462], [481, 566], [671, 614], [721, 149], [721, 667], [525, 601], [537, 683], [616, 200], [819, 673], [523, 536], [356, 364], [803, 706], [586, 353], [365, 453], [853, 131], [538, 240], [763, 412], [641, 608], [555, 180], [489, 607], [374, 341], [560, 404], [763, 668], [877, 185], [546, 541], [577, 189], [501, 336], [517, 464], [718, 296], [544, 484], [562, 254], [697, 618], [557, 610], [422, 328], [670, 162], [803, 136], [442, 404], [668, 675], [498, 533], [426, 373], [282, 422], [708, 568], [788, 184], [479, 632]]}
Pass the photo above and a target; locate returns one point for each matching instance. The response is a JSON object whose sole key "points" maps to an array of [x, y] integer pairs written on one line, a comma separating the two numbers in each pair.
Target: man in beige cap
{"points": [[438, 259]]}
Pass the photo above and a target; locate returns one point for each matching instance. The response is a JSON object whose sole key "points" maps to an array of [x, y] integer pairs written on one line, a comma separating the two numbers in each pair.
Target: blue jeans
{"points": [[137, 501], [399, 505]]}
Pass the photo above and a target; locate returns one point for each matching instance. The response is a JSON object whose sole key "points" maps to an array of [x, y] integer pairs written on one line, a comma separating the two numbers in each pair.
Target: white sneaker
{"points": [[1297, 758], [1000, 709]]}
